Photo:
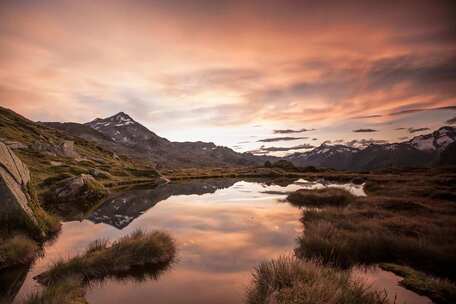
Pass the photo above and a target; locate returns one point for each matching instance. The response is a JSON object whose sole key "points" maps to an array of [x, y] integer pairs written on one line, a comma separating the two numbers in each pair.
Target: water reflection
{"points": [[381, 280], [223, 228]]}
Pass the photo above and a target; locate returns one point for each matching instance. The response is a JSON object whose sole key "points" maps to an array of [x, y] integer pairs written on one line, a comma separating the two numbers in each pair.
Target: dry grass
{"points": [[289, 280], [17, 250], [440, 291], [69, 291], [383, 230], [136, 256], [137, 251], [320, 198]]}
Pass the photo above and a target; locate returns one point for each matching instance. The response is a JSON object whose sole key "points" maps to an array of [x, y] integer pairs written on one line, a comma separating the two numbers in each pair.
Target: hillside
{"points": [[53, 154]]}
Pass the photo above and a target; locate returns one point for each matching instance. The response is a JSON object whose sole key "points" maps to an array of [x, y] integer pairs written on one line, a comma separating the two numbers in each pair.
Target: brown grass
{"points": [[136, 251], [17, 250], [320, 198], [440, 291], [378, 229], [289, 280]]}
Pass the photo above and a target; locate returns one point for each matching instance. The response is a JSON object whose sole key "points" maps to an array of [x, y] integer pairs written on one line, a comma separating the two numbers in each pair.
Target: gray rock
{"points": [[15, 145], [100, 173], [44, 148], [75, 194], [67, 149], [14, 195]]}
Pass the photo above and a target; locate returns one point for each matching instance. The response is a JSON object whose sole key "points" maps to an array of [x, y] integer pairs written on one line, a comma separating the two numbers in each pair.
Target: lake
{"points": [[223, 228]]}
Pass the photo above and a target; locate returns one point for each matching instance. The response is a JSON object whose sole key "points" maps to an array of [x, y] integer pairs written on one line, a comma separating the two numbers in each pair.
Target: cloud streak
{"points": [[285, 138], [290, 131], [415, 130], [364, 130]]}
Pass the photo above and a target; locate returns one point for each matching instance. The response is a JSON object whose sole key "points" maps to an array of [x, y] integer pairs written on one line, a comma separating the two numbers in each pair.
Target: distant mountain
{"points": [[421, 151], [122, 134], [122, 129], [328, 156]]}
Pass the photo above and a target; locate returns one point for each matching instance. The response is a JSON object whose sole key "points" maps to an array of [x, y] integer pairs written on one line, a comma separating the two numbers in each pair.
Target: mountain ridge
{"points": [[420, 151]]}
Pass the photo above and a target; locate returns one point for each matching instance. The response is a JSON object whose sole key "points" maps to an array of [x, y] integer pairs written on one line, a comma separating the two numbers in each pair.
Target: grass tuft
{"points": [[440, 291], [68, 291], [320, 198], [288, 280], [137, 251], [18, 250]]}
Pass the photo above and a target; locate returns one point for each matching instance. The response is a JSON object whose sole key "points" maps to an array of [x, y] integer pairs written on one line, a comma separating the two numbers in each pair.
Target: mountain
{"points": [[328, 156], [120, 133], [54, 151], [421, 151]]}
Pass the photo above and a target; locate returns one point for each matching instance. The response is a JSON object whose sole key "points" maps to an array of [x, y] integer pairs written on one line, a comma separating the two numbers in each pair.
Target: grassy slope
{"points": [[14, 127]]}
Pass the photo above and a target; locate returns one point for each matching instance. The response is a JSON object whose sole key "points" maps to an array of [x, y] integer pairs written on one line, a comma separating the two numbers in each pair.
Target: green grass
{"points": [[438, 290], [17, 250], [320, 198], [288, 280], [133, 252]]}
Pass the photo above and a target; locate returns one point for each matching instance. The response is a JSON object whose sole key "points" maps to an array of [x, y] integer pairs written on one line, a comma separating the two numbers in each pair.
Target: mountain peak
{"points": [[121, 116]]}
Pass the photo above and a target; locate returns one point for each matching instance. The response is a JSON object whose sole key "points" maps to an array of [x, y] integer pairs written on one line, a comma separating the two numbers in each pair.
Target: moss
{"points": [[438, 290], [289, 280]]}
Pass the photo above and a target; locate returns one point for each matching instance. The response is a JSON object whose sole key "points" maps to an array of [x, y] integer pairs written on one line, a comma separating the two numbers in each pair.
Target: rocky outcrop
{"points": [[14, 195], [67, 149], [75, 194]]}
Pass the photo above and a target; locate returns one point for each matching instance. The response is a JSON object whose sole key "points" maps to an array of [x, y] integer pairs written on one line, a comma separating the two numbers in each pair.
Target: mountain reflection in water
{"points": [[223, 229]]}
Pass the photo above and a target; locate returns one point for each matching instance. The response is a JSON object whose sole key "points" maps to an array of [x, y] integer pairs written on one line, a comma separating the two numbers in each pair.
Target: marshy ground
{"points": [[407, 220]]}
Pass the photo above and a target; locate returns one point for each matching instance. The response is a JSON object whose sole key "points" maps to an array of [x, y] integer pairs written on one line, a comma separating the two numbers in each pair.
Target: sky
{"points": [[266, 76]]}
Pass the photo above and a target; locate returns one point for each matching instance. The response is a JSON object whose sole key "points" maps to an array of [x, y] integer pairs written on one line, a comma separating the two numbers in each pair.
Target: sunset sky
{"points": [[237, 73]]}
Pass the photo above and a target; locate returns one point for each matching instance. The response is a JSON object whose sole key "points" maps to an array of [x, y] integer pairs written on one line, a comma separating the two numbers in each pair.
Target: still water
{"points": [[223, 228]]}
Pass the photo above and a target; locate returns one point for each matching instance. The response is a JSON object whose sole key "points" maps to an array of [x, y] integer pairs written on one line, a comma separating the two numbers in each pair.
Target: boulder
{"points": [[67, 149], [76, 193], [14, 195]]}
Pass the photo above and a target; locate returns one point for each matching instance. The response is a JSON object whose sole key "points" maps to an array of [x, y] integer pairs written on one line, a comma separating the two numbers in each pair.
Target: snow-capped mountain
{"points": [[131, 138], [420, 151], [121, 128], [435, 141], [330, 156]]}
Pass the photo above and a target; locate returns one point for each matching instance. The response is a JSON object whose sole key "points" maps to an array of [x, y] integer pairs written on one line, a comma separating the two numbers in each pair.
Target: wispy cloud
{"points": [[274, 139], [362, 143], [364, 130], [415, 130], [287, 131], [451, 121], [264, 149]]}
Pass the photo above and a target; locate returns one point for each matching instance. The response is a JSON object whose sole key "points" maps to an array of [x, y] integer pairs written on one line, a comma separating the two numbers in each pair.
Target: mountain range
{"points": [[122, 135], [433, 149]]}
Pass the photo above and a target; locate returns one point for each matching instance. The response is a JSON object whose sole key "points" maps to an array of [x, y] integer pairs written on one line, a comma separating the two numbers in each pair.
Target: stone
{"points": [[76, 193], [67, 149], [15, 145], [14, 195]]}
